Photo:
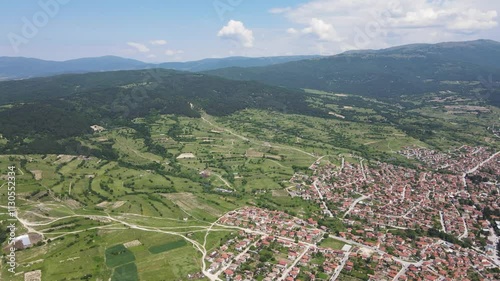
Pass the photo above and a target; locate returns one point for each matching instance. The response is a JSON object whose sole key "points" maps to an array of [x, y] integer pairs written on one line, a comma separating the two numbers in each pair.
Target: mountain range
{"points": [[57, 108], [405, 70], [21, 68]]}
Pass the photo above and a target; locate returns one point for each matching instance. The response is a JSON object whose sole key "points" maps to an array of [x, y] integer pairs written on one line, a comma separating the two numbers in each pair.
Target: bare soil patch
{"points": [[33, 276], [186, 156], [118, 204], [38, 174], [132, 244]]}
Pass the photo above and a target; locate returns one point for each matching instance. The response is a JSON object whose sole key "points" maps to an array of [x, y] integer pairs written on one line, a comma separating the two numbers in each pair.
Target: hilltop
{"points": [[389, 73]]}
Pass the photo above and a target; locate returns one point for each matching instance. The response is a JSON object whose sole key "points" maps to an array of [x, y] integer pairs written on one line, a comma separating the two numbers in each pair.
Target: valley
{"points": [[251, 158], [157, 174]]}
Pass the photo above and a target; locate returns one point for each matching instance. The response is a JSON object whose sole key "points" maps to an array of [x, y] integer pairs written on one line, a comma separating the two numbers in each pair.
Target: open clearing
{"points": [[189, 202], [131, 244], [332, 243], [37, 174], [186, 156]]}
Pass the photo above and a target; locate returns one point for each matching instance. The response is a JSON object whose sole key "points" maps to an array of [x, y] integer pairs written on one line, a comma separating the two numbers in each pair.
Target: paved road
{"points": [[442, 221], [464, 175], [380, 252], [401, 272], [238, 257], [287, 271], [340, 267], [322, 199], [354, 204]]}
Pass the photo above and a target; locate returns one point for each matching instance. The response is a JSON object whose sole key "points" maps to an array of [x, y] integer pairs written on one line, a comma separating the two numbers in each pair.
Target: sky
{"points": [[174, 30]]}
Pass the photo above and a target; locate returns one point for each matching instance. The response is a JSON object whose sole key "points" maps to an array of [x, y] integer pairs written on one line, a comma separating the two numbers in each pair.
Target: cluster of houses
{"points": [[239, 258], [404, 197], [236, 259], [448, 192], [274, 223], [444, 261]]}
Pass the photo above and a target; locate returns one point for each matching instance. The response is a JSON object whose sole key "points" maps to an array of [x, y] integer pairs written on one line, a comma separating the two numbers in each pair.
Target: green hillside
{"points": [[390, 73]]}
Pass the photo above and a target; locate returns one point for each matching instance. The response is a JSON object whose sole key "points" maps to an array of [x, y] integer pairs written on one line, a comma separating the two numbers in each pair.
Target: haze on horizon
{"points": [[160, 31]]}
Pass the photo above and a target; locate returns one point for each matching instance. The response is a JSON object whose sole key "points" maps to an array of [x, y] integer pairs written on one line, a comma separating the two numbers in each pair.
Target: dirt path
{"points": [[253, 141], [223, 180]]}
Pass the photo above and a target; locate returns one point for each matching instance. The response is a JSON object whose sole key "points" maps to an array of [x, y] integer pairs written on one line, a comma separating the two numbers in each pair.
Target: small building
{"points": [[26, 241], [97, 128]]}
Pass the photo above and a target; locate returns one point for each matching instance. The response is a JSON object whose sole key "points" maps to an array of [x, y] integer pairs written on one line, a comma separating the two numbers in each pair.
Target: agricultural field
{"points": [[155, 203], [151, 213]]}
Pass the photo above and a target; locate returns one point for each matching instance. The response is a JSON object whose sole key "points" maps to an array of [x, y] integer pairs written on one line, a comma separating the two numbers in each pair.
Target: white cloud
{"points": [[358, 24], [139, 47], [173, 52], [472, 19], [324, 31], [158, 42], [236, 31]]}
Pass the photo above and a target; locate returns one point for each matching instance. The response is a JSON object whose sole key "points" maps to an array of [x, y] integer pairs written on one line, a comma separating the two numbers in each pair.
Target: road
{"points": [[495, 240], [315, 184], [466, 231], [322, 199], [442, 221], [198, 246], [380, 252], [401, 272], [255, 142], [230, 132], [287, 271], [338, 270], [237, 257], [464, 175], [363, 169], [354, 204], [223, 180], [482, 163]]}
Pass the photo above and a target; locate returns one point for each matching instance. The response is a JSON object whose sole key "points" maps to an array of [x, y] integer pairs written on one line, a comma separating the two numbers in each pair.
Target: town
{"points": [[437, 221], [445, 208]]}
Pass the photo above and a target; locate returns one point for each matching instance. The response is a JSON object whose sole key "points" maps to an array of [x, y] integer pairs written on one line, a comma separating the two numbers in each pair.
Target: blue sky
{"points": [[154, 30]]}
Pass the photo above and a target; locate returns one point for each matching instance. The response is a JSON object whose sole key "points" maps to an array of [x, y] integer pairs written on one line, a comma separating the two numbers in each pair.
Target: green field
{"points": [[167, 247], [332, 243], [87, 207], [127, 272], [118, 255]]}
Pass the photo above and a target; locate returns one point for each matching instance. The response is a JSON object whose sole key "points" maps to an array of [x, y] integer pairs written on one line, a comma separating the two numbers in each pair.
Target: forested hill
{"points": [[135, 89], [61, 107], [211, 64], [405, 70]]}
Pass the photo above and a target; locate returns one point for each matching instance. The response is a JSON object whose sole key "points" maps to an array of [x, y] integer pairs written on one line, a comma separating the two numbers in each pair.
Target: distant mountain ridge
{"points": [[483, 52], [404, 70], [20, 67], [12, 68]]}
